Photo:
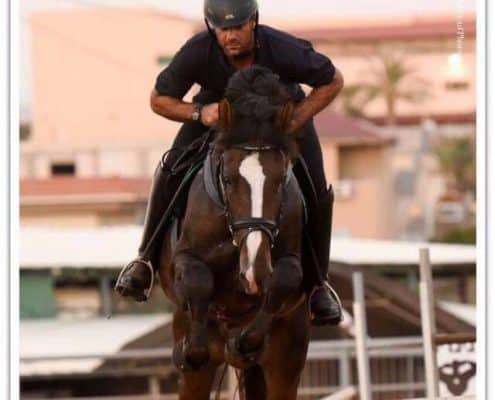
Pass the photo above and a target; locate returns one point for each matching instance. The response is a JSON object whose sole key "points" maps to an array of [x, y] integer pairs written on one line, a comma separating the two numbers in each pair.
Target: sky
{"points": [[281, 8], [287, 10]]}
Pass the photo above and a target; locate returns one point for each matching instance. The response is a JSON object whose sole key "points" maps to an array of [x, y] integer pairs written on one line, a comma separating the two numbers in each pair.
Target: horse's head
{"points": [[255, 153]]}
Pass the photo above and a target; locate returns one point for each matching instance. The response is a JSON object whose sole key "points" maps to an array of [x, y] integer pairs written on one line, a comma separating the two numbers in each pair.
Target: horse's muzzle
{"points": [[248, 282]]}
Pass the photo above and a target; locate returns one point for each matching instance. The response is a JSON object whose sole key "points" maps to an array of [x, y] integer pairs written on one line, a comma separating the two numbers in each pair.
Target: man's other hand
{"points": [[209, 114]]}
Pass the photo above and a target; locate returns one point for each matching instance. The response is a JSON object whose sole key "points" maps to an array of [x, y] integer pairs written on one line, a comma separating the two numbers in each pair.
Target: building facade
{"points": [[415, 77], [92, 123]]}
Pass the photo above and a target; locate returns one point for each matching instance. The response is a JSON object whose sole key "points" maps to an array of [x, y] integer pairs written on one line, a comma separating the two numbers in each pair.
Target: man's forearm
{"points": [[171, 108], [316, 101]]}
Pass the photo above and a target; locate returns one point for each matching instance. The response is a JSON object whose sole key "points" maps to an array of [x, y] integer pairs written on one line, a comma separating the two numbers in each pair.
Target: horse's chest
{"points": [[222, 258]]}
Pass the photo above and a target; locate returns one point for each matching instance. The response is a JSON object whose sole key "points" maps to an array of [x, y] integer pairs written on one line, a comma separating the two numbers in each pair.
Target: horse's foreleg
{"points": [[286, 349], [193, 284], [197, 385], [280, 286], [283, 283]]}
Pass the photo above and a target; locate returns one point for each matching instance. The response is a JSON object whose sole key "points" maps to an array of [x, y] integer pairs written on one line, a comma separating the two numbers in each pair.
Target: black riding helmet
{"points": [[228, 13]]}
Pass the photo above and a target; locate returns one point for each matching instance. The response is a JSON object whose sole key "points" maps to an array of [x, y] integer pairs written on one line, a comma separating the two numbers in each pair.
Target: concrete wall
{"points": [[363, 187], [82, 215], [123, 160], [364, 162], [367, 212], [93, 72]]}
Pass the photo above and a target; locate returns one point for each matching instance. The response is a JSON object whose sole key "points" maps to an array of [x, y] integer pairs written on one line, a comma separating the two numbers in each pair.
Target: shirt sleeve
{"points": [[304, 65], [182, 72]]}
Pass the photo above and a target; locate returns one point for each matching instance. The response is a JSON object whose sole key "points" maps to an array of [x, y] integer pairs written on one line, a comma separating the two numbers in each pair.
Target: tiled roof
{"points": [[413, 29], [458, 118], [73, 186], [343, 130], [332, 127], [60, 336]]}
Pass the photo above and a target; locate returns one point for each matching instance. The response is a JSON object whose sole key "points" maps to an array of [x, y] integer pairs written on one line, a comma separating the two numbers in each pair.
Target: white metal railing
{"points": [[339, 352], [344, 394], [318, 350], [449, 398]]}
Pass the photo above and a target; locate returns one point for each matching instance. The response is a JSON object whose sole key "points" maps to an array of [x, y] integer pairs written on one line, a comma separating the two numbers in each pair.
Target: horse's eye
{"points": [[226, 180]]}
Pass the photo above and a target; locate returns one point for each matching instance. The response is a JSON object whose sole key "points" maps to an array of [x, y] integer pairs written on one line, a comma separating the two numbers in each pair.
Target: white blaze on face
{"points": [[251, 170]]}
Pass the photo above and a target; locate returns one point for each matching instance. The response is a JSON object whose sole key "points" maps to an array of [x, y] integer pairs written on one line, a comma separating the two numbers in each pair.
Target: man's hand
{"points": [[209, 115], [317, 100], [180, 111]]}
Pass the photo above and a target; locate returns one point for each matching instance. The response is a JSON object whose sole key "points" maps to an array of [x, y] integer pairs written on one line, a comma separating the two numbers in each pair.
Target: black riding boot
{"points": [[324, 302], [136, 279]]}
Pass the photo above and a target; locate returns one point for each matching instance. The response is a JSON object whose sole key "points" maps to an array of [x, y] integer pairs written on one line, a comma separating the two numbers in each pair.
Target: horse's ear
{"points": [[225, 115], [284, 117]]}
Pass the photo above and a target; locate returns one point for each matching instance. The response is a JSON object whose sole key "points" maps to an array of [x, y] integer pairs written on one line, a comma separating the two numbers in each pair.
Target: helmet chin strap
{"points": [[257, 21], [210, 30]]}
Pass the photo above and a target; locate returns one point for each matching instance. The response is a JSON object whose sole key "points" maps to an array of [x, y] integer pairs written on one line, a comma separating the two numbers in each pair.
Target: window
{"points": [[78, 297], [405, 183], [343, 189], [450, 212], [456, 73], [66, 168], [24, 131], [36, 294], [163, 60]]}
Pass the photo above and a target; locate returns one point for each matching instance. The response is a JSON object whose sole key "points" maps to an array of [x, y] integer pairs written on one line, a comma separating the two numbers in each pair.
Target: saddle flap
{"points": [[210, 180]]}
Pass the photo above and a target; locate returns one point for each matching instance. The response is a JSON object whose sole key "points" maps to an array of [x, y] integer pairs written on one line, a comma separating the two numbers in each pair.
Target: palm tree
{"points": [[392, 81], [457, 161]]}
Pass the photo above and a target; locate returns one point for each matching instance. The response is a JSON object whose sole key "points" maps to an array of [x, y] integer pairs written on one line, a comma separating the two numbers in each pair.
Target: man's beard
{"points": [[243, 55]]}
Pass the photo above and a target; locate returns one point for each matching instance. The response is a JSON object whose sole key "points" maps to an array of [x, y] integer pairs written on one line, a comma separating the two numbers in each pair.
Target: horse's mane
{"points": [[255, 95]]}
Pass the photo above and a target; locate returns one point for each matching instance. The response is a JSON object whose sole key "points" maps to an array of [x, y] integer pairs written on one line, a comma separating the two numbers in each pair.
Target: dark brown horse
{"points": [[235, 272]]}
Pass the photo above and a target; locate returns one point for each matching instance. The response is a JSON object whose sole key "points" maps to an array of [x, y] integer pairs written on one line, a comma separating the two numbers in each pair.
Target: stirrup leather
{"points": [[147, 292]]}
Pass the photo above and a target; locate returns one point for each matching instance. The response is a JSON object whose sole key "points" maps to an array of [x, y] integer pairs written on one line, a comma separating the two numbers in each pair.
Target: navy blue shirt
{"points": [[202, 61]]}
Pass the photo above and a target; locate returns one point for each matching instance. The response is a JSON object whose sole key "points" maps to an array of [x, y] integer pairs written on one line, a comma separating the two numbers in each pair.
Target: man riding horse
{"points": [[233, 41]]}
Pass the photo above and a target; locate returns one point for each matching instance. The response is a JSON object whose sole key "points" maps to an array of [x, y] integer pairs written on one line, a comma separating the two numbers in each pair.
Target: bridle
{"points": [[253, 224]]}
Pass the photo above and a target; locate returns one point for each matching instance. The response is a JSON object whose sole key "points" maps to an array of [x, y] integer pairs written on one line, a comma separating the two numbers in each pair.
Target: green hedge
{"points": [[458, 235]]}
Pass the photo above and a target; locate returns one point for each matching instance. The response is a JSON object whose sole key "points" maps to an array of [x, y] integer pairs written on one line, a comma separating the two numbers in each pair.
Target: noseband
{"points": [[252, 224]]}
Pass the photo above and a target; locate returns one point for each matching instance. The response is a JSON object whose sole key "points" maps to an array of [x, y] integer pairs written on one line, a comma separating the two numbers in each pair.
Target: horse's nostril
{"points": [[244, 283]]}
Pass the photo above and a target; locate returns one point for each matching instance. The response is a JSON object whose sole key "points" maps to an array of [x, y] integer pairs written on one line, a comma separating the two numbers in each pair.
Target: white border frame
{"points": [[481, 389], [9, 201], [14, 198], [486, 184], [4, 199]]}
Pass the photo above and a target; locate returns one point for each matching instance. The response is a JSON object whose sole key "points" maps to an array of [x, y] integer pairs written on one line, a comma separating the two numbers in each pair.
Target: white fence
{"points": [[395, 366]]}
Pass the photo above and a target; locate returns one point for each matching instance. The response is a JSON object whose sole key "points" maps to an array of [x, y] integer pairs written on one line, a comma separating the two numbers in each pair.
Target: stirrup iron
{"points": [[147, 292], [333, 293]]}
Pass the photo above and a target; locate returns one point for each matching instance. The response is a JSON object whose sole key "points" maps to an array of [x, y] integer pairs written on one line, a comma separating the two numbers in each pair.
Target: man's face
{"points": [[237, 41]]}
